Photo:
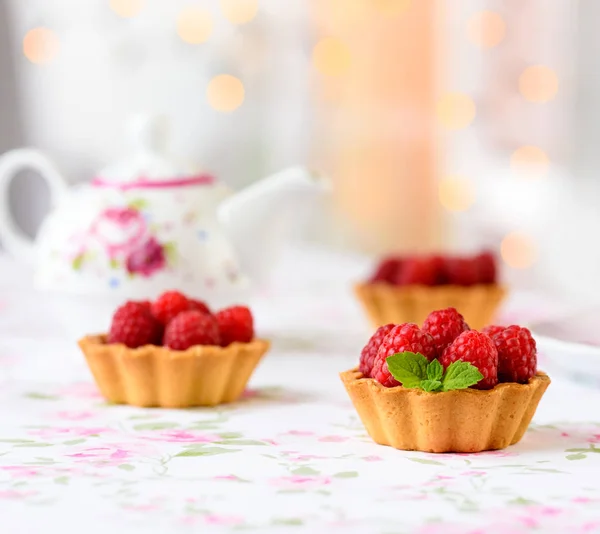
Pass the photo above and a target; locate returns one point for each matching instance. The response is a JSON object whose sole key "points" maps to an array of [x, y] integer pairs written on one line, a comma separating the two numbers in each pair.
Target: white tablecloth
{"points": [[292, 456]]}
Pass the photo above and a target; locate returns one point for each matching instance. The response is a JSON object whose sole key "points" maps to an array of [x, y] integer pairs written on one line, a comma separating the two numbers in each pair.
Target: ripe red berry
{"points": [[386, 270], [406, 337], [517, 354], [199, 306], [133, 325], [477, 349], [367, 356], [235, 324], [444, 326], [462, 271], [492, 330], [191, 328], [170, 304], [421, 271], [486, 268]]}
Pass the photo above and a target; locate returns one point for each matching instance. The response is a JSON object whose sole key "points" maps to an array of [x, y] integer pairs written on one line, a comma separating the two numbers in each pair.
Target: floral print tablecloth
{"points": [[291, 456]]}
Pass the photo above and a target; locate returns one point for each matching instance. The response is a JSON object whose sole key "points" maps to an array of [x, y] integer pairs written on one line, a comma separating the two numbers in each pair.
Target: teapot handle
{"points": [[13, 238]]}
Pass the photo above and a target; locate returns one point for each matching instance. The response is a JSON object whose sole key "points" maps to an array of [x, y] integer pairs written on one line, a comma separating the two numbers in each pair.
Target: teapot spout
{"points": [[258, 219]]}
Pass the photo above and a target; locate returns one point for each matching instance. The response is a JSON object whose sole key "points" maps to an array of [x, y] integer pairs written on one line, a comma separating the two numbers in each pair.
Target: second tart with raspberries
{"points": [[445, 387], [174, 353], [406, 289]]}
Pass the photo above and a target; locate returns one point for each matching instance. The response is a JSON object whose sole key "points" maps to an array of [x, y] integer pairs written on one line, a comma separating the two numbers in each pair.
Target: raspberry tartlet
{"points": [[445, 387], [174, 353], [406, 289]]}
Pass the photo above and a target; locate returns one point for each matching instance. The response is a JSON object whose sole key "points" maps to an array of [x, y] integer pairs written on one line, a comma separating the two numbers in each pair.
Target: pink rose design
{"points": [[15, 495], [182, 436], [113, 454], [81, 390], [18, 471], [225, 520], [119, 229], [147, 259], [50, 433], [301, 482], [74, 415]]}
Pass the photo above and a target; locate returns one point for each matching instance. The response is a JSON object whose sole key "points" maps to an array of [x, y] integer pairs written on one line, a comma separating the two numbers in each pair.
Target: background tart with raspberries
{"points": [[444, 387], [174, 353], [406, 289]]}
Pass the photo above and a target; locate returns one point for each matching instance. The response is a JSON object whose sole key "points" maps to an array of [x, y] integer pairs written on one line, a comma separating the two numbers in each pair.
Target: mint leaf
{"points": [[435, 370], [460, 375], [408, 368], [430, 385]]}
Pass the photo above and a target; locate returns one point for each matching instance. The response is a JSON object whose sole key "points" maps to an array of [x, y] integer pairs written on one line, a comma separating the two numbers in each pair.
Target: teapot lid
{"points": [[150, 164]]}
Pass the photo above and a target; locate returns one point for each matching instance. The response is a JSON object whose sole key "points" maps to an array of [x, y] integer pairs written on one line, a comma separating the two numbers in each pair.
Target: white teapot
{"points": [[149, 224]]}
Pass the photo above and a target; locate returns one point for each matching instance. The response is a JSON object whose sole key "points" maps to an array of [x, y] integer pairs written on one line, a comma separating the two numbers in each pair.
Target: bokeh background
{"points": [[454, 125]]}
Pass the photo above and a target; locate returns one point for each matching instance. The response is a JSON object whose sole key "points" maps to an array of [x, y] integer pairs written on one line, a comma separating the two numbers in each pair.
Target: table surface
{"points": [[290, 456]]}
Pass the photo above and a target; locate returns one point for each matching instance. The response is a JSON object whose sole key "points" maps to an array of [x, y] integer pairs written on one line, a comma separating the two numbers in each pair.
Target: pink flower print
{"points": [[232, 478], [301, 482], [223, 520], [56, 432], [473, 473], [294, 457], [333, 439], [107, 456], [18, 471], [15, 495], [119, 230], [74, 415], [81, 390], [372, 458], [300, 433], [183, 436], [142, 507], [147, 259]]}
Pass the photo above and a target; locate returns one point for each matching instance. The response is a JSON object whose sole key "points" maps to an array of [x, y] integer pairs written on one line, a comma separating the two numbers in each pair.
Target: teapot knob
{"points": [[148, 133]]}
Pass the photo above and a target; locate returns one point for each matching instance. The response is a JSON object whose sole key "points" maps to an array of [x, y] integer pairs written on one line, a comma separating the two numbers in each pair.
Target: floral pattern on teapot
{"points": [[127, 241]]}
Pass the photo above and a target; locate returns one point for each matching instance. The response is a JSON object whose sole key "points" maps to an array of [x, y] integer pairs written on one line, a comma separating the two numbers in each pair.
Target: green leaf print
{"points": [[78, 262], [114, 264], [576, 456], [138, 204], [34, 445], [126, 467], [161, 425], [292, 522], [41, 396], [170, 249], [74, 441], [305, 471], [424, 461], [346, 474], [241, 442], [230, 435], [61, 480], [208, 451]]}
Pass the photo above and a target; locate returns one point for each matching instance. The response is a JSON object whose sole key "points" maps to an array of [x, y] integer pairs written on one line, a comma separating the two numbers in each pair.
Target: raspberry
{"points": [[486, 268], [199, 305], [401, 338], [439, 265], [134, 326], [191, 328], [517, 354], [420, 271], [170, 304], [444, 326], [462, 271], [367, 356], [386, 270], [235, 324], [477, 349], [492, 330]]}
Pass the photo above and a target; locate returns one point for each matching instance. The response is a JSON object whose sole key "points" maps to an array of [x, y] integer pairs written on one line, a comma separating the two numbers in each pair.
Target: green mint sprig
{"points": [[414, 371]]}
